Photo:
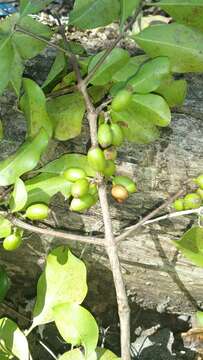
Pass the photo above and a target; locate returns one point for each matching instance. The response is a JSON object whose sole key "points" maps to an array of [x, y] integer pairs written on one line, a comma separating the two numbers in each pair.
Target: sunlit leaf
{"points": [[173, 91], [148, 78], [33, 104], [77, 326], [12, 341], [6, 62], [24, 159], [129, 69], [32, 6], [188, 12], [57, 284], [127, 8], [66, 113], [191, 245], [68, 161], [41, 188], [75, 354], [16, 73], [5, 227], [57, 68], [170, 40], [114, 62], [18, 196], [89, 14]]}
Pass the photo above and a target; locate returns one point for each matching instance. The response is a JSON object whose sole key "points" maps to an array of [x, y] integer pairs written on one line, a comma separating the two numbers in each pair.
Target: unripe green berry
{"points": [[80, 188], [117, 133], [83, 203], [96, 159], [12, 242], [121, 100], [74, 174], [199, 181], [178, 205], [93, 189], [104, 135], [200, 193], [37, 212], [125, 181], [192, 201], [110, 168]]}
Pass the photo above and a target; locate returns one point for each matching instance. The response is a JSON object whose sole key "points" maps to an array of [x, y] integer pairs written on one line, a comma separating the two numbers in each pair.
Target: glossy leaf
{"points": [[32, 6], [16, 73], [127, 8], [137, 128], [13, 341], [33, 104], [191, 245], [68, 161], [57, 284], [104, 354], [27, 46], [24, 159], [66, 113], [148, 78], [6, 56], [5, 227], [170, 40], [114, 62], [57, 68], [188, 12], [97, 93], [77, 326], [154, 108], [75, 354], [18, 196], [129, 69], [89, 14], [41, 188], [173, 91]]}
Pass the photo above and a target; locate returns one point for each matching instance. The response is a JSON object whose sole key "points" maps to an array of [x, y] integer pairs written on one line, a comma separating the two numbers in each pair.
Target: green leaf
{"points": [[127, 8], [188, 12], [137, 128], [97, 93], [32, 6], [149, 76], [68, 161], [199, 318], [1, 130], [173, 39], [104, 354], [191, 245], [129, 69], [6, 63], [24, 159], [89, 14], [66, 113], [57, 284], [72, 355], [16, 73], [41, 188], [5, 227], [13, 341], [154, 108], [28, 46], [57, 68], [77, 326], [18, 196], [114, 62], [173, 91], [33, 104]]}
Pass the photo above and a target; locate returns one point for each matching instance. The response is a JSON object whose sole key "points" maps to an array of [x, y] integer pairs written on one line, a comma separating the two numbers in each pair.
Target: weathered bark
{"points": [[154, 274]]}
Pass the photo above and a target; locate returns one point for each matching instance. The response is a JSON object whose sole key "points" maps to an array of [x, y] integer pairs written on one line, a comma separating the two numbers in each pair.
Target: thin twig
{"points": [[51, 232], [153, 213], [174, 215], [47, 349]]}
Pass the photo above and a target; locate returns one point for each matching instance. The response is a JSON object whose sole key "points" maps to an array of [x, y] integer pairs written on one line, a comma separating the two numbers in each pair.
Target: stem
{"points": [[175, 214]]}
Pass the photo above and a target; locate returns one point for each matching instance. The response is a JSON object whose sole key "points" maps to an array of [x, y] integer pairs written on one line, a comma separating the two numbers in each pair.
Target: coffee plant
{"points": [[124, 98]]}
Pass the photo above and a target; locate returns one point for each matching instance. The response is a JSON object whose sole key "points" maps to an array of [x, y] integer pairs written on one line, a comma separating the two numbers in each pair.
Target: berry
{"points": [[192, 201], [121, 100], [110, 168], [178, 205], [110, 153], [199, 181], [96, 159], [80, 188], [104, 135], [37, 212], [117, 134], [126, 182], [119, 193], [12, 242], [82, 203], [74, 174]]}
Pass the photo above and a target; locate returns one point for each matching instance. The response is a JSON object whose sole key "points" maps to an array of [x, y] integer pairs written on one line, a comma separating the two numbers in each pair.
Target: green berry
{"points": [[37, 212], [117, 133], [12, 242], [125, 181], [74, 174], [199, 181], [200, 193], [121, 100], [80, 188], [110, 168], [93, 189], [96, 159], [104, 135], [83, 203], [4, 283], [192, 201], [178, 205]]}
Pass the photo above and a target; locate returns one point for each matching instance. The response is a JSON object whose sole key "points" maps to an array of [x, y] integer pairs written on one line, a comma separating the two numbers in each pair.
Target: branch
{"points": [[51, 232], [113, 45], [198, 211], [142, 222]]}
